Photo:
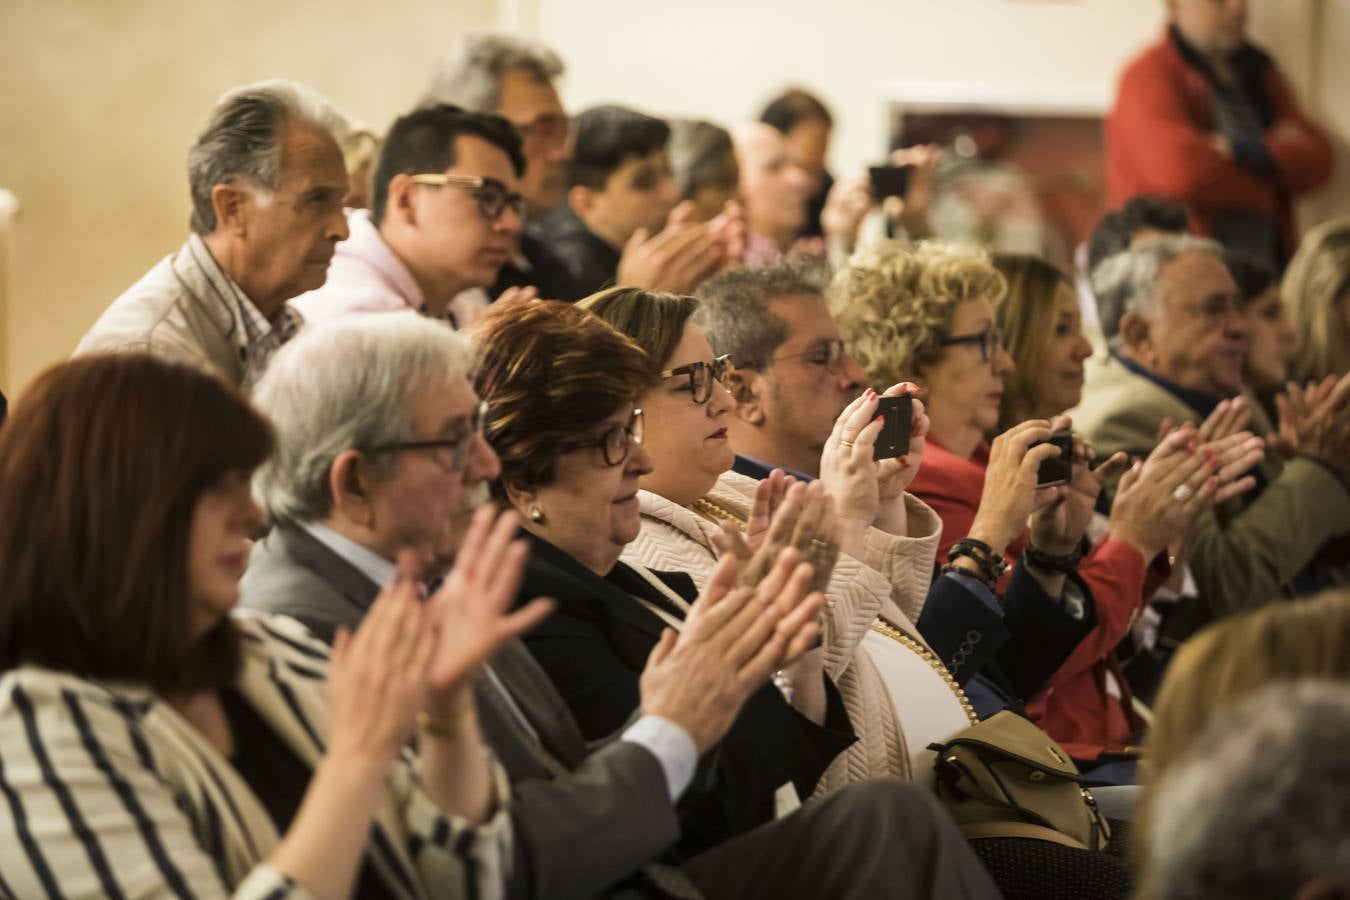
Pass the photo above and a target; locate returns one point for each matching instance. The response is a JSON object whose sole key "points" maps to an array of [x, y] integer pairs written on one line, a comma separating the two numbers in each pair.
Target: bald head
{"points": [[775, 189]]}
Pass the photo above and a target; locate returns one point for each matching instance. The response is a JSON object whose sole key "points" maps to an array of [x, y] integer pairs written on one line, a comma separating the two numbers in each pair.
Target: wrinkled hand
{"points": [[1294, 406], [850, 475], [1230, 416], [377, 678], [1324, 434], [1147, 512], [676, 260], [471, 613], [1010, 493], [805, 522], [733, 639]]}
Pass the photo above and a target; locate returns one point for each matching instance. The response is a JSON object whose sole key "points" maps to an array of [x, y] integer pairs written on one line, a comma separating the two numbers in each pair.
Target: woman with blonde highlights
{"points": [[1316, 291], [932, 313]]}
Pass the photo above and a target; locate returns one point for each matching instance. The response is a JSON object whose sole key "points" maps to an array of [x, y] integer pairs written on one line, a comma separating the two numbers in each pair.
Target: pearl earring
{"points": [[536, 515]]}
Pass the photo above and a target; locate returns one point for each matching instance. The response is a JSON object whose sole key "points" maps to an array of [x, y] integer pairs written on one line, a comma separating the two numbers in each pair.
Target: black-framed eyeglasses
{"points": [[989, 338], [702, 375], [458, 446], [828, 354], [615, 443], [493, 197]]}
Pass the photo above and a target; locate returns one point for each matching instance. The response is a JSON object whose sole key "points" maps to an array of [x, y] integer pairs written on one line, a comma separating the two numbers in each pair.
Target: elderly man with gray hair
{"points": [[267, 181], [1261, 808], [1176, 356]]}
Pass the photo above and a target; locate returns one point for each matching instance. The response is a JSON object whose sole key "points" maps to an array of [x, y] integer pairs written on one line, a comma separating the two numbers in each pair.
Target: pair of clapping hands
{"points": [[417, 655], [854, 493]]}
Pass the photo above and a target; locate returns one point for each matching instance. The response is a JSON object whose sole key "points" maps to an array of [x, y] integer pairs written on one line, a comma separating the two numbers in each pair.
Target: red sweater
{"points": [[1158, 142], [1075, 707]]}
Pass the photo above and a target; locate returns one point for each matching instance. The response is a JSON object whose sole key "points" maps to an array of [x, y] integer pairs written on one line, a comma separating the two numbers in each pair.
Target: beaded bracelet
{"points": [[991, 565], [1050, 563]]}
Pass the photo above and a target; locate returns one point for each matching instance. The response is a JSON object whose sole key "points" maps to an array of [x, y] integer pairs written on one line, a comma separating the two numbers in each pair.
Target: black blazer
{"points": [[594, 647]]}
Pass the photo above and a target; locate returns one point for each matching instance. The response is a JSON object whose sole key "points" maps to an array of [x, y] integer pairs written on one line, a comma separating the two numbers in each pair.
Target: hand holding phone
{"points": [[896, 413], [889, 181], [1056, 469]]}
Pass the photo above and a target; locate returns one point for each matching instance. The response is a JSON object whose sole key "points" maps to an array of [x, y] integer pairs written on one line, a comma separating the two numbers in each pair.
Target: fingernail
{"points": [[878, 418], [904, 462]]}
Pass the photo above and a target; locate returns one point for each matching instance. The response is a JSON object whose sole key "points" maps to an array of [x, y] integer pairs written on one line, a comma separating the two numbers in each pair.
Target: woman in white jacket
{"points": [[899, 695]]}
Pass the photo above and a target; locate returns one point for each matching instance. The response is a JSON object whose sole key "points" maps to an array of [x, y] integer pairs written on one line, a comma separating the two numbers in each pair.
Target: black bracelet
{"points": [[991, 565], [1050, 563]]}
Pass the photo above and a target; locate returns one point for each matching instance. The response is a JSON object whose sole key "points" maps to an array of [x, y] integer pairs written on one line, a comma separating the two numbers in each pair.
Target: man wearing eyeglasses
{"points": [[445, 216], [793, 375]]}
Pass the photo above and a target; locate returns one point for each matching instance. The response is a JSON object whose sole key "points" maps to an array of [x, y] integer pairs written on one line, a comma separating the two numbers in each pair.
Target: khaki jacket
{"points": [[186, 309], [1245, 552]]}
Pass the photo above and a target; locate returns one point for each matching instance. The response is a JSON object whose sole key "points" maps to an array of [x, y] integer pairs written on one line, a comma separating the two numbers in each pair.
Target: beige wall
{"points": [[722, 59], [99, 100]]}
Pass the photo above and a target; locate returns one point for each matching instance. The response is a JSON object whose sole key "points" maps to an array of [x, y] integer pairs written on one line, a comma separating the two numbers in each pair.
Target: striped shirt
{"points": [[106, 791]]}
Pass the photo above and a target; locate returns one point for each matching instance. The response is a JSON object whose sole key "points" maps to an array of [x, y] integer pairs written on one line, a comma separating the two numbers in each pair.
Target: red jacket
{"points": [[1158, 142], [1076, 707]]}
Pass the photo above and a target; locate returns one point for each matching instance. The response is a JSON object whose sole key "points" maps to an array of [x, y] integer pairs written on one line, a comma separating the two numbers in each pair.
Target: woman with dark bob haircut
{"points": [[560, 385], [154, 743]]}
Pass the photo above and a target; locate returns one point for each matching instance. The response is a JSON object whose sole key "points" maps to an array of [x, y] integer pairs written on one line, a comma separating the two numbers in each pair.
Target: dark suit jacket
{"points": [[594, 647], [592, 262], [577, 835]]}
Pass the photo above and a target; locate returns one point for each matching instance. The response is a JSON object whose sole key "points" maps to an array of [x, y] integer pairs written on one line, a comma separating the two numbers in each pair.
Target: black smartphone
{"points": [[889, 181], [1057, 469], [896, 414]]}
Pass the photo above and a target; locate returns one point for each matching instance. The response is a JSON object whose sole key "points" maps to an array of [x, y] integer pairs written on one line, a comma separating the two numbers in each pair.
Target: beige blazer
{"points": [[187, 309], [111, 791], [892, 582], [1243, 553]]}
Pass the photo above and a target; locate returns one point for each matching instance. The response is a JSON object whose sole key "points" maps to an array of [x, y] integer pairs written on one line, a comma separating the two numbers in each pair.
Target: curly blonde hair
{"points": [[894, 303]]}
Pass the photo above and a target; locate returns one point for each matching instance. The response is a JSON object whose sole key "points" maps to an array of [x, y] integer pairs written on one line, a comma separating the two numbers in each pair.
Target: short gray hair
{"points": [[345, 384], [242, 140], [734, 306], [470, 74], [1128, 280], [1262, 804]]}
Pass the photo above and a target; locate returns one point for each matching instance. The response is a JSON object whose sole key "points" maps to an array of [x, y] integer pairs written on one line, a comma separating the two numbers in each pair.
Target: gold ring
{"points": [[819, 544], [844, 443]]}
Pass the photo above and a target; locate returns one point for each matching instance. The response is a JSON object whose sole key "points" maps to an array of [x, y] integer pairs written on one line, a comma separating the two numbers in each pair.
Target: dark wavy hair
{"points": [[550, 372], [102, 462]]}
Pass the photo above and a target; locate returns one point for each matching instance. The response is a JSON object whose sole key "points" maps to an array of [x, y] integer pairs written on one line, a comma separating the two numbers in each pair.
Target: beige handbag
{"points": [[1004, 777]]}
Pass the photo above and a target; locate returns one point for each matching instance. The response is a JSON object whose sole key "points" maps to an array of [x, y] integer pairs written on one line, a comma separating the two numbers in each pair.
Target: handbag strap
{"points": [[976, 830]]}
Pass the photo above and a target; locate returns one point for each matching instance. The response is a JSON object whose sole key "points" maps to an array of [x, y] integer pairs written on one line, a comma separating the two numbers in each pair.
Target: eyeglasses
{"points": [[492, 196], [702, 375], [548, 129], [458, 446], [828, 355], [616, 442], [989, 338]]}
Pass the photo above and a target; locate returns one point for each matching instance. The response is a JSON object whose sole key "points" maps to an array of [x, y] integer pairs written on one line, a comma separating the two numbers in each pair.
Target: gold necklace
{"points": [[881, 626], [714, 510]]}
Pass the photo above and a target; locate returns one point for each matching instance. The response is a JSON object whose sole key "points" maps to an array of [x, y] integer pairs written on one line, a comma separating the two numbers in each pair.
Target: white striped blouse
{"points": [[106, 791]]}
